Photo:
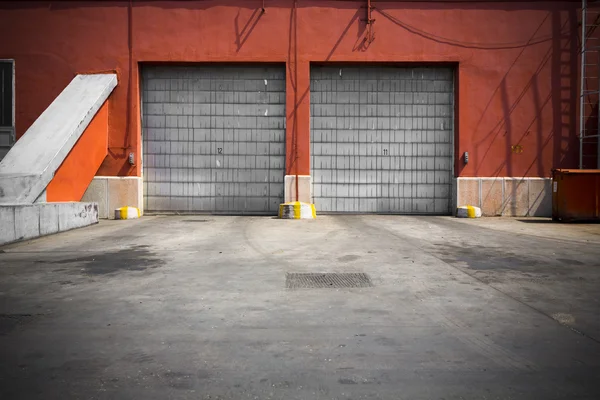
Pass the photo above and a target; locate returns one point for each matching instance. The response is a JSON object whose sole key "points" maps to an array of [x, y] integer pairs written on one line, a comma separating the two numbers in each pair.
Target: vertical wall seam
{"points": [[14, 223], [503, 182], [527, 200], [106, 202], [480, 190], [457, 192]]}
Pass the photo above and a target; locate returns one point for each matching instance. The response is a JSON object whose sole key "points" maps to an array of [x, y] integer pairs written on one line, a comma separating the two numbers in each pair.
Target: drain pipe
{"points": [[130, 78], [370, 22], [295, 137], [582, 90]]}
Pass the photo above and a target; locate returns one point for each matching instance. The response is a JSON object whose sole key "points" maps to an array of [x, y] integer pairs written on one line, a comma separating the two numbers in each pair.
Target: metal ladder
{"points": [[589, 101]]}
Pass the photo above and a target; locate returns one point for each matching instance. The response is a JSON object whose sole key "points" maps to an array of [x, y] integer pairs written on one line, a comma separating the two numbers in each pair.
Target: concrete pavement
{"points": [[195, 307]]}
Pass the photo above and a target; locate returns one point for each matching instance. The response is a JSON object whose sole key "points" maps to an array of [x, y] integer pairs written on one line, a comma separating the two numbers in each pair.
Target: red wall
{"points": [[516, 79], [76, 172]]}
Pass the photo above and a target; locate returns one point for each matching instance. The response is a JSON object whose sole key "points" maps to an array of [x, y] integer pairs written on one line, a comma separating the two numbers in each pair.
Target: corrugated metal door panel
{"points": [[214, 138], [382, 139], [7, 132], [6, 141]]}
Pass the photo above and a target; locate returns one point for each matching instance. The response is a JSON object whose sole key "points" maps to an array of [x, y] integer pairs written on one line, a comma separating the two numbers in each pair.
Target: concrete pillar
{"points": [[298, 131]]}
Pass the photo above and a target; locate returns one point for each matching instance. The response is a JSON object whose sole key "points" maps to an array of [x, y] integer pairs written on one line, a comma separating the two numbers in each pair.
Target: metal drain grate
{"points": [[326, 280]]}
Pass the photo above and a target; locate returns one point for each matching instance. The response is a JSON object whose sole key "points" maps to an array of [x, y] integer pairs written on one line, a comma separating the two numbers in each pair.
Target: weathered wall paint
{"points": [[76, 172], [516, 79]]}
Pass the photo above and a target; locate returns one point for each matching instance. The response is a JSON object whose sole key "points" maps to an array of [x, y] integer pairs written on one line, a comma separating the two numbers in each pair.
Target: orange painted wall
{"points": [[516, 78], [79, 168]]}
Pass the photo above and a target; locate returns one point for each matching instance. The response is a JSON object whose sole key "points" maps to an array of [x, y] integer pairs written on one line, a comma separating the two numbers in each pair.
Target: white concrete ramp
{"points": [[31, 163]]}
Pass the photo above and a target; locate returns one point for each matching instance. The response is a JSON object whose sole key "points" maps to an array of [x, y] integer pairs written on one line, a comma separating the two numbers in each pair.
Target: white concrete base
{"points": [[304, 189], [22, 222], [510, 197], [113, 192]]}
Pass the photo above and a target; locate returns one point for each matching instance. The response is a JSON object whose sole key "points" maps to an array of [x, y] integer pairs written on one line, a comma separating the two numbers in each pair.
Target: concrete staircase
{"points": [[45, 174]]}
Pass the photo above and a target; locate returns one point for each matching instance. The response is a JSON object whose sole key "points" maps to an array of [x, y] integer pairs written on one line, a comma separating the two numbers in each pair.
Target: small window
{"points": [[6, 93]]}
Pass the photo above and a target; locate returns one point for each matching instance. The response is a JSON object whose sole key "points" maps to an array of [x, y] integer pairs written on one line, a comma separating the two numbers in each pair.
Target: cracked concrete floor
{"points": [[195, 307]]}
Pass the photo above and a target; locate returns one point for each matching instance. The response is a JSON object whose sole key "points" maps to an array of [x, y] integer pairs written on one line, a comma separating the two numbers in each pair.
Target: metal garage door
{"points": [[381, 139], [214, 138]]}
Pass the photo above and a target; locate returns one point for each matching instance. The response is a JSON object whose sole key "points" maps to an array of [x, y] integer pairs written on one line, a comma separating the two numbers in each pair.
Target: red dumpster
{"points": [[576, 194]]}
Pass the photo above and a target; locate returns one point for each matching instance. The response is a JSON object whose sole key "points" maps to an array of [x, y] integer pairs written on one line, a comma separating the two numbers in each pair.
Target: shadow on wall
{"points": [[525, 145], [242, 34], [549, 140], [560, 99], [562, 55]]}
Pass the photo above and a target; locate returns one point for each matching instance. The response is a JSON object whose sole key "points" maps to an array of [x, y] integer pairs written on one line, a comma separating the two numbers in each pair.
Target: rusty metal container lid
{"points": [[577, 171]]}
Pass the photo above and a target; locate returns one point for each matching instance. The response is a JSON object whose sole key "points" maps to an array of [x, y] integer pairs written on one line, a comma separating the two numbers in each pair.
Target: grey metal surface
{"points": [[31, 163], [382, 139], [328, 280], [6, 140], [7, 106], [214, 138]]}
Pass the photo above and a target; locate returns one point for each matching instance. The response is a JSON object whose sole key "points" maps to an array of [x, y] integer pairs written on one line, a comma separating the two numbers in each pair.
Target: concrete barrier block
{"points": [[76, 215], [48, 219], [7, 224], [22, 222], [27, 222]]}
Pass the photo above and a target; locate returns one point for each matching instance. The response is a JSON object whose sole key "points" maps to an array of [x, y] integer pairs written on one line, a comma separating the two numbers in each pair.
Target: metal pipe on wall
{"points": [[369, 23], [582, 78], [130, 77], [295, 138], [596, 21]]}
